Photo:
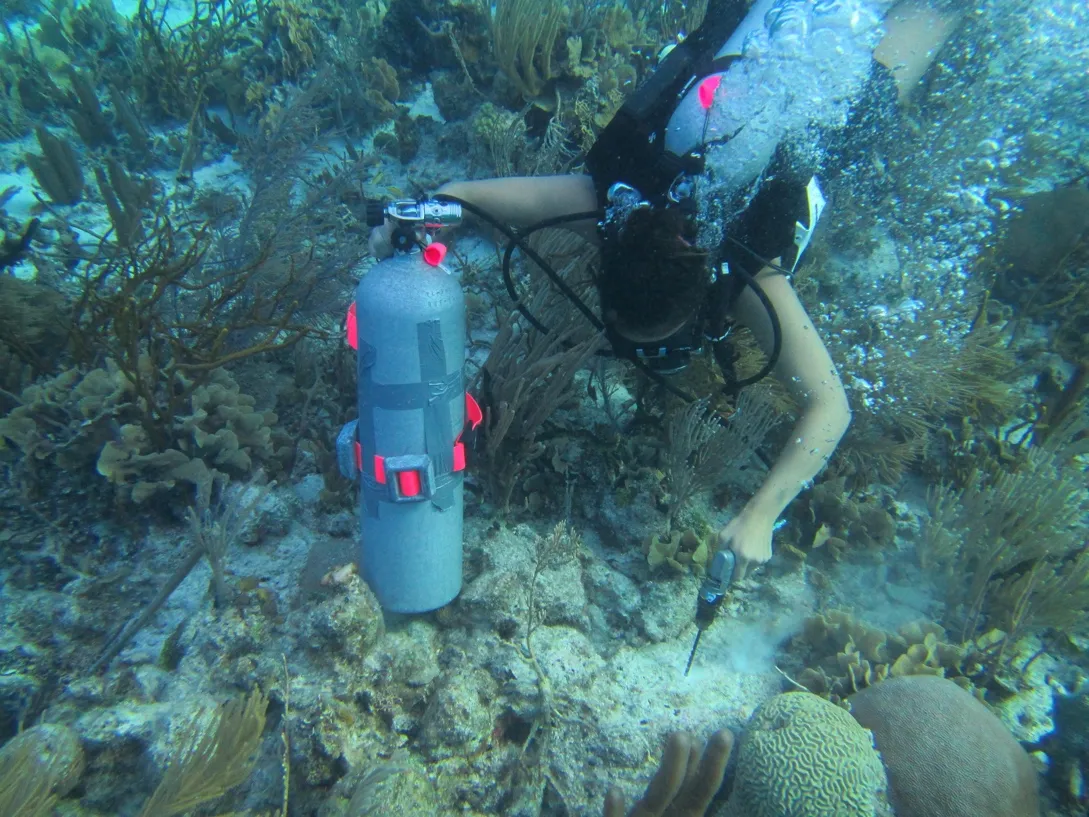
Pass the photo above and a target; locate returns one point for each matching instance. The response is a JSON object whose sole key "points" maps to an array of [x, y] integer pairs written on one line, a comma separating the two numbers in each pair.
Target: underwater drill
{"points": [[712, 592], [407, 325]]}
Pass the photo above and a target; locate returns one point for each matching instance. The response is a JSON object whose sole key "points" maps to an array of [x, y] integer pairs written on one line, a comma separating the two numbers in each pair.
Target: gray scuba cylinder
{"points": [[408, 324]]}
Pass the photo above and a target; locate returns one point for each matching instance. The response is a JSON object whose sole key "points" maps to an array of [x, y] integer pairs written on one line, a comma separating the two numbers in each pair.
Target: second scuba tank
{"points": [[408, 326]]}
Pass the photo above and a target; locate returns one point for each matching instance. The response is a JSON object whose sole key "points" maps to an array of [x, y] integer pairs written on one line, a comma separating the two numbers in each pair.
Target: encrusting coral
{"points": [[846, 656], [33, 326], [76, 421], [680, 551]]}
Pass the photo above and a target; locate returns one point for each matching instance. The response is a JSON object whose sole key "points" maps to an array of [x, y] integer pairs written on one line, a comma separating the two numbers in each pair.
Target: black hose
{"points": [[776, 330], [517, 239]]}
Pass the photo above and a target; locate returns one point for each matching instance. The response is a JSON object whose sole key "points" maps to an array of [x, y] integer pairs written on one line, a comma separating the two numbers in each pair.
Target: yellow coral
{"points": [[680, 551], [848, 656]]}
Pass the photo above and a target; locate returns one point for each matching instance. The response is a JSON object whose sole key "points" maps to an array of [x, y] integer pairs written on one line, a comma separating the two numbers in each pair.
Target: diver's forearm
{"points": [[807, 370], [811, 444], [519, 201]]}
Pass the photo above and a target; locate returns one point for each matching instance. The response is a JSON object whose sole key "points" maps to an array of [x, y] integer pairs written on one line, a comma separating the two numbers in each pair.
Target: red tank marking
{"points": [[350, 328], [473, 411], [409, 483], [707, 90]]}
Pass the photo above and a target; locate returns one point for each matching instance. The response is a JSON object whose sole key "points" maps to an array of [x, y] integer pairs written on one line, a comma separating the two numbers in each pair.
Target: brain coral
{"points": [[802, 756], [945, 753]]}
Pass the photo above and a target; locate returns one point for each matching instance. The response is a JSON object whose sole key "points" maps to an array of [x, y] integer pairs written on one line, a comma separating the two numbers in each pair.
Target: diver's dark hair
{"points": [[651, 271]]}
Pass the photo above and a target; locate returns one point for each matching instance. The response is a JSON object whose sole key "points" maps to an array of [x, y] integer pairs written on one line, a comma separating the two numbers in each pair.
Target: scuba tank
{"points": [[407, 325]]}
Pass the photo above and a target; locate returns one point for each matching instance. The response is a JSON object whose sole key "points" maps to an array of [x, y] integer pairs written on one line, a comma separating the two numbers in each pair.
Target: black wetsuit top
{"points": [[630, 150]]}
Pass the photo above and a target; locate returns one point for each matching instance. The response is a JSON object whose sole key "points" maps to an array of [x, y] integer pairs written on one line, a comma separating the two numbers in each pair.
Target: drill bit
{"points": [[720, 574], [692, 655]]}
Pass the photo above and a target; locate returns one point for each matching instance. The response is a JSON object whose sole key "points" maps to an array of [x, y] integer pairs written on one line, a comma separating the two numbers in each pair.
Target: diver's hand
{"points": [[380, 242], [687, 778], [748, 535]]}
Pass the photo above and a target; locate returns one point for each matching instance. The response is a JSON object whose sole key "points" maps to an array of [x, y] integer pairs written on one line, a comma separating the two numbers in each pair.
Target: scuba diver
{"points": [[702, 197]]}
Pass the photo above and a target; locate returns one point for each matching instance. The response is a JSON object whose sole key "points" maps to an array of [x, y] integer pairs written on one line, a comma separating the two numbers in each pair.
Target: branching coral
{"points": [[300, 36], [38, 767], [167, 319], [214, 755], [212, 531], [702, 449], [527, 377], [14, 121], [80, 28], [524, 36], [1013, 546], [503, 141], [580, 62], [671, 18], [164, 303], [57, 169], [175, 66], [907, 377], [529, 374]]}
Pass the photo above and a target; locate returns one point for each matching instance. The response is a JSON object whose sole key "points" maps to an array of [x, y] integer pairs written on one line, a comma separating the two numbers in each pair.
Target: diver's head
{"points": [[654, 279]]}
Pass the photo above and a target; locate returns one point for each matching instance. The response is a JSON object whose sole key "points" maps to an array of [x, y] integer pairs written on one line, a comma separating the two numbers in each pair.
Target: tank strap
{"points": [[411, 473], [429, 475]]}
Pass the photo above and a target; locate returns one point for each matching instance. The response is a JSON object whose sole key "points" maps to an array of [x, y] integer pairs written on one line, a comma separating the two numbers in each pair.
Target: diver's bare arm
{"points": [[523, 200], [914, 33], [807, 370]]}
